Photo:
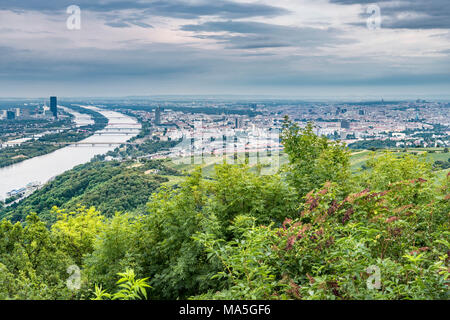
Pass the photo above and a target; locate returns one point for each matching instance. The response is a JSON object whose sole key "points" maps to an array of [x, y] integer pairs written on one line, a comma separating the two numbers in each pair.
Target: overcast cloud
{"points": [[221, 46]]}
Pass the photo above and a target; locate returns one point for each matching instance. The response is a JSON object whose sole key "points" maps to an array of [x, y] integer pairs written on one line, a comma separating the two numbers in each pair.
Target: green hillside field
{"points": [[357, 160]]}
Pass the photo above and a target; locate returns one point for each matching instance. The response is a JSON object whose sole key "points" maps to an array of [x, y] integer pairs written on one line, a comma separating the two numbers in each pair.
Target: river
{"points": [[44, 168]]}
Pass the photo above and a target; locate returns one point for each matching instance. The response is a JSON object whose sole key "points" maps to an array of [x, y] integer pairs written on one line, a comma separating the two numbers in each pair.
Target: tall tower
{"points": [[345, 124], [54, 106], [158, 116], [10, 115], [238, 123]]}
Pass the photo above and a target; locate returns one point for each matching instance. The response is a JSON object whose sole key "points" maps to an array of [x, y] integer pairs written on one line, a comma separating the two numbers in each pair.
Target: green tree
{"points": [[114, 250], [246, 270], [33, 266], [326, 252], [75, 232], [389, 168], [235, 190], [313, 160]]}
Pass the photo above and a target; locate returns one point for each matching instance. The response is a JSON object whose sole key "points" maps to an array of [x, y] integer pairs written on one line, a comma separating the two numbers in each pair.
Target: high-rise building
{"points": [[238, 124], [158, 116], [10, 115], [17, 112], [54, 106], [345, 124]]}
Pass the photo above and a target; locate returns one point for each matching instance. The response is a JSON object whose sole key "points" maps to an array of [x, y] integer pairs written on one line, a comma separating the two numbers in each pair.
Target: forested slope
{"points": [[109, 186]]}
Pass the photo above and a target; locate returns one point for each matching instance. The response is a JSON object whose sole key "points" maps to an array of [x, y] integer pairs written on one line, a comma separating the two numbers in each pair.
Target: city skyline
{"points": [[298, 49]]}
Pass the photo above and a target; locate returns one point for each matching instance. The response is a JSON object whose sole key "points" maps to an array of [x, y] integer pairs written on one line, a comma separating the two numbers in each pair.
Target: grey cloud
{"points": [[138, 12], [85, 64], [177, 68], [415, 14], [254, 35], [118, 24], [126, 23], [117, 20], [141, 24], [168, 8], [57, 63]]}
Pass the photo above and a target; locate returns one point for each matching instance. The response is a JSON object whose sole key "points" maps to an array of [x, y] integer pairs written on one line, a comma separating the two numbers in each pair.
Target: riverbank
{"points": [[110, 186], [43, 168], [48, 143]]}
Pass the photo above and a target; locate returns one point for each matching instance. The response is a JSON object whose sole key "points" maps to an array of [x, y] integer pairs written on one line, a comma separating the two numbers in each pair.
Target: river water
{"points": [[44, 168]]}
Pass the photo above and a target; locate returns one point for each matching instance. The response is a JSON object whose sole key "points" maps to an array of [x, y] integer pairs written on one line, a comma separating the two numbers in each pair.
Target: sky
{"points": [[285, 48]]}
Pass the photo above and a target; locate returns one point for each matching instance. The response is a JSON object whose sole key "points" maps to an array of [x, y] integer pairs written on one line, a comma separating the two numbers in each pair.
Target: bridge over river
{"points": [[121, 129], [92, 144]]}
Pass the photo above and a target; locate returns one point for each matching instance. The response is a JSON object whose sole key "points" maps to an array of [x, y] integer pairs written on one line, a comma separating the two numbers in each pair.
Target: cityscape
{"points": [[200, 129], [384, 124]]}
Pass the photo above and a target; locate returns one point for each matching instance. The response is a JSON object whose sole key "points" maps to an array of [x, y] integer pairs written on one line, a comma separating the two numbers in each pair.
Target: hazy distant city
{"points": [[376, 124], [198, 128]]}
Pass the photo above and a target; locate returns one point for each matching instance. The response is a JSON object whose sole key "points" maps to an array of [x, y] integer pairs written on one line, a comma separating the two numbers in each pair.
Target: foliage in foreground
{"points": [[130, 288], [328, 250]]}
